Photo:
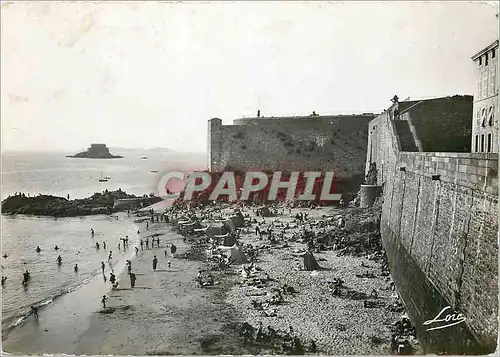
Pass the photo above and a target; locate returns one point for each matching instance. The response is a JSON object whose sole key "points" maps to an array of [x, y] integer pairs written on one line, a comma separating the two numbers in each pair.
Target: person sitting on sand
{"points": [[103, 301], [34, 312], [155, 262]]}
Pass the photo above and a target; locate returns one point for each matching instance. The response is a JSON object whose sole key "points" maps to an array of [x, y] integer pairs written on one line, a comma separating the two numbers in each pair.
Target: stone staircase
{"points": [[405, 136]]}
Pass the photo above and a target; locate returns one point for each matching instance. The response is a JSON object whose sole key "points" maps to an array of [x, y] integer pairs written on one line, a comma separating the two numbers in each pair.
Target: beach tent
{"points": [[229, 240], [236, 254], [310, 262], [265, 212], [214, 230], [231, 223]]}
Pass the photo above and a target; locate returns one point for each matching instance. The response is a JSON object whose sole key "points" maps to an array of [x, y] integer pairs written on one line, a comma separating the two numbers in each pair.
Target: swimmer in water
{"points": [[59, 260], [4, 278], [56, 248], [76, 268], [5, 256], [38, 250]]}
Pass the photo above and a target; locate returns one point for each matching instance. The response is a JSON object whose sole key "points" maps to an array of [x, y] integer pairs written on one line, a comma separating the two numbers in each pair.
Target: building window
{"points": [[493, 79], [480, 84], [478, 118], [491, 116], [476, 145], [489, 143], [480, 61], [486, 59], [484, 116], [482, 142], [486, 91], [493, 53]]}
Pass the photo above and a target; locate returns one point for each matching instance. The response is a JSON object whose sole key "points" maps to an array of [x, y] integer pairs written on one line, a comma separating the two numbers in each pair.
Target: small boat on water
{"points": [[107, 177], [155, 171], [103, 179], [144, 158]]}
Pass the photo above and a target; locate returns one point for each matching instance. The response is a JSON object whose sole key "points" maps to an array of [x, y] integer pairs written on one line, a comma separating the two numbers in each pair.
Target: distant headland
{"points": [[96, 151]]}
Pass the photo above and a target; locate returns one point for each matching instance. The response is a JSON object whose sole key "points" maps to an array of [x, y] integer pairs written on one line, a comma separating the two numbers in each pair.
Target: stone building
{"points": [[485, 122]]}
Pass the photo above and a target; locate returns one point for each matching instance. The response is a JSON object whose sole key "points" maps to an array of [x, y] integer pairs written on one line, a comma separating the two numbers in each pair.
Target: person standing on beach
{"points": [[102, 267], [155, 262], [173, 249], [129, 266], [142, 244], [136, 250], [96, 245], [147, 243], [103, 301], [132, 279], [92, 232], [76, 268], [147, 225], [165, 253], [109, 256], [104, 245]]}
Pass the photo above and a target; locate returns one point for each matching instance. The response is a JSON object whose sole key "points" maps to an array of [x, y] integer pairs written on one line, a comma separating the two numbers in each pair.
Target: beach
{"points": [[167, 313]]}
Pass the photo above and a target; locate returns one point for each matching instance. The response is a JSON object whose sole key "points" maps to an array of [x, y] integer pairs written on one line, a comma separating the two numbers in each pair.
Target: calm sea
{"points": [[53, 173]]}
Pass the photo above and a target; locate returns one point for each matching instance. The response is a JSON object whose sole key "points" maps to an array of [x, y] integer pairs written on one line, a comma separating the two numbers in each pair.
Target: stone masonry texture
{"points": [[444, 230]]}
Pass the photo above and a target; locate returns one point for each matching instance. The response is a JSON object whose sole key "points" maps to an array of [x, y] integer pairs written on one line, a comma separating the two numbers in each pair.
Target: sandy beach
{"points": [[167, 313]]}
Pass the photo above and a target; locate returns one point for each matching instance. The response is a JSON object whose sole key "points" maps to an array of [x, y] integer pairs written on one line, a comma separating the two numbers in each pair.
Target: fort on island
{"points": [[96, 151], [435, 162]]}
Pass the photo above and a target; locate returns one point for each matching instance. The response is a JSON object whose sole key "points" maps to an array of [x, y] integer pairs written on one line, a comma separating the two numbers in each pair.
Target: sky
{"points": [[152, 74]]}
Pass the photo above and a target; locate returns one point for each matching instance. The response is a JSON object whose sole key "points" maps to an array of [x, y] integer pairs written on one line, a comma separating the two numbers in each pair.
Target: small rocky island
{"points": [[106, 202], [96, 151]]}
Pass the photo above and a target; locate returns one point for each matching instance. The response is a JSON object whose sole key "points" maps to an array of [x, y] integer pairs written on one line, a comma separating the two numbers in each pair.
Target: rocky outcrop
{"points": [[96, 151], [46, 205]]}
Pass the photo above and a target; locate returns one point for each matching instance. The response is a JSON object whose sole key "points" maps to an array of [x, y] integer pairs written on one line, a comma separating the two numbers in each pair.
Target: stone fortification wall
{"points": [[439, 227], [306, 143]]}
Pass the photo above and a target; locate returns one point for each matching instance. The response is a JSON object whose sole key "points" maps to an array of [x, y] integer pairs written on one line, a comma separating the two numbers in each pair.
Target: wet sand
{"points": [[166, 313]]}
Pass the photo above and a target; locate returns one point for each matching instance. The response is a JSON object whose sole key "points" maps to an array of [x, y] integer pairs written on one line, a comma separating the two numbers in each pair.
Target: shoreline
{"points": [[63, 313], [166, 313]]}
